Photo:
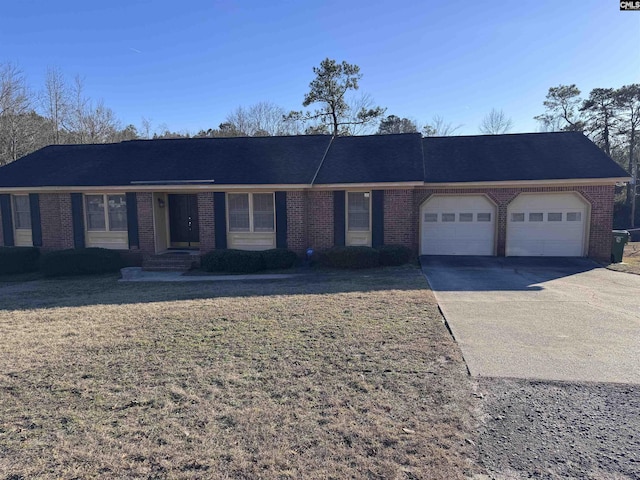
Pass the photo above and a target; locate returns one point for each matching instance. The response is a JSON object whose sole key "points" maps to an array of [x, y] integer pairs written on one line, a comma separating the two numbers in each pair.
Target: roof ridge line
{"points": [[322, 161]]}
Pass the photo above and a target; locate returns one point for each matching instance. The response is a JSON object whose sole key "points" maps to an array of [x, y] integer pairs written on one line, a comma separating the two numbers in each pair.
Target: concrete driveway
{"points": [[540, 318]]}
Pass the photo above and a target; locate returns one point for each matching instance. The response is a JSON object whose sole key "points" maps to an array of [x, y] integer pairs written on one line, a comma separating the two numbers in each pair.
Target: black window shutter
{"points": [[7, 220], [281, 219], [377, 218], [132, 219], [220, 219], [36, 225], [77, 219], [338, 218]]}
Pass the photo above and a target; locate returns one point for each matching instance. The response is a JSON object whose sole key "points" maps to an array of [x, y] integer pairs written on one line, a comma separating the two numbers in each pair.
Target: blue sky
{"points": [[187, 64]]}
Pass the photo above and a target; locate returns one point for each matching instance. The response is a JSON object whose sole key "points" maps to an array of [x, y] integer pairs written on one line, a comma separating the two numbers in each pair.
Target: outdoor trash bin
{"points": [[620, 239]]}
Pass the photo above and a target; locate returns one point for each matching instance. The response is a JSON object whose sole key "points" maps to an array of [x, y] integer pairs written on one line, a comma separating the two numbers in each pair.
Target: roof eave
{"points": [[525, 183]]}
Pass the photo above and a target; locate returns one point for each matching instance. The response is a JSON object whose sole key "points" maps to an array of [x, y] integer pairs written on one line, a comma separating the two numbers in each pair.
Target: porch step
{"points": [[170, 262]]}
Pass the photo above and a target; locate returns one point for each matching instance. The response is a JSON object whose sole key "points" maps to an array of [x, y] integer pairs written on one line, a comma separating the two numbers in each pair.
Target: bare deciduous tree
{"points": [[495, 123], [146, 127], [440, 128], [55, 103], [19, 124], [101, 124]]}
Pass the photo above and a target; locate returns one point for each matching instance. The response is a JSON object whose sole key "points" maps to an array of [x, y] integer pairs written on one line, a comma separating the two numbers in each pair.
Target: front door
{"points": [[184, 230]]}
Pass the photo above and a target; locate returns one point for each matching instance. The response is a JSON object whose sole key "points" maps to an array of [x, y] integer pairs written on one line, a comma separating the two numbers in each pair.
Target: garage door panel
{"points": [[458, 225], [559, 231]]}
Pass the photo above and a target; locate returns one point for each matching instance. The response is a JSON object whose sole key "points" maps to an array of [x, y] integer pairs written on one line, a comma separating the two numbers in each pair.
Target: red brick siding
{"points": [[399, 219], [320, 219], [145, 223], [310, 217], [206, 222], [601, 199], [296, 224], [56, 221]]}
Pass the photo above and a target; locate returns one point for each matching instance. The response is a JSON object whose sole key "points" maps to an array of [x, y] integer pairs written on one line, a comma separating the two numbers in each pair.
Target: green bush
{"points": [[232, 261], [19, 259], [278, 258], [393, 255], [213, 261], [351, 257], [81, 261]]}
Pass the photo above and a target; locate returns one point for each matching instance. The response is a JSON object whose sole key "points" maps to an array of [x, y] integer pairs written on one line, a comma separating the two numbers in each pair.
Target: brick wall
{"points": [[320, 219], [145, 223], [206, 222], [601, 199], [56, 221], [296, 224], [400, 219], [310, 217]]}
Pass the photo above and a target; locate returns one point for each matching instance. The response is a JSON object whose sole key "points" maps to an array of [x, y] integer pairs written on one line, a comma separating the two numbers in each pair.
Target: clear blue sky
{"points": [[187, 64]]}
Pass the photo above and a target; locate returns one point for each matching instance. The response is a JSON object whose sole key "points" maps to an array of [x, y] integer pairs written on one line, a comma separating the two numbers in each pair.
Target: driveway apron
{"points": [[540, 318]]}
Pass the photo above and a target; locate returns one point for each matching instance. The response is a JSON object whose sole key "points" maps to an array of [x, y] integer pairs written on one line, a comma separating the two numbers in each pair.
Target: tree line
{"points": [[61, 113], [608, 116]]}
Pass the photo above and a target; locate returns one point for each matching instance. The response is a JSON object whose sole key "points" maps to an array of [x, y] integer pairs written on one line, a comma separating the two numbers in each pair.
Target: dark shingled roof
{"points": [[526, 156], [373, 159], [230, 161], [297, 159]]}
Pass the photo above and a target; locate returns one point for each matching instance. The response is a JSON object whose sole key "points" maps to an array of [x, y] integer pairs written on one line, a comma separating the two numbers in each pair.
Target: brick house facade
{"points": [[389, 178]]}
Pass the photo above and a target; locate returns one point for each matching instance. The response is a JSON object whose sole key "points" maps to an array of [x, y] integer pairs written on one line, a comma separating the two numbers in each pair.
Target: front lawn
{"points": [[345, 376]]}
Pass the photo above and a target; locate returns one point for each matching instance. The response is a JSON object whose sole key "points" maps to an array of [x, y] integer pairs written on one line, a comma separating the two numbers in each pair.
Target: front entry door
{"points": [[184, 230]]}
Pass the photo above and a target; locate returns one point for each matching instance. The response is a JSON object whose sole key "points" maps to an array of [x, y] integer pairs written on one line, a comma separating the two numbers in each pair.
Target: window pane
{"points": [[536, 217], [95, 212], [238, 212], [484, 217], [574, 216], [554, 217], [517, 217], [466, 217], [117, 206], [263, 213], [448, 217], [430, 217], [22, 212], [358, 211]]}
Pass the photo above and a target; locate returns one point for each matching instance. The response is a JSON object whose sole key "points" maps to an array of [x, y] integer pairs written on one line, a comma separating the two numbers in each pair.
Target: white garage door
{"points": [[552, 225], [458, 225]]}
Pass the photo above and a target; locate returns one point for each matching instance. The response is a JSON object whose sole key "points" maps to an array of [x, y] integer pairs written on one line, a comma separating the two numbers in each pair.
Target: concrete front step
{"points": [[168, 262]]}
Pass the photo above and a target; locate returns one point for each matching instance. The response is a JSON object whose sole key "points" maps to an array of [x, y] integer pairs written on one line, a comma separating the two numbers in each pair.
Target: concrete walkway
{"points": [[552, 319], [136, 274]]}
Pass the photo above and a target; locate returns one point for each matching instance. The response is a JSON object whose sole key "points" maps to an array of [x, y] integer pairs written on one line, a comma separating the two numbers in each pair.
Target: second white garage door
{"points": [[457, 225], [551, 225]]}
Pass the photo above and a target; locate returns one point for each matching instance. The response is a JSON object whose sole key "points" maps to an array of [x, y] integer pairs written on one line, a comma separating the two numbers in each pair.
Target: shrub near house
{"points": [[83, 261], [18, 259]]}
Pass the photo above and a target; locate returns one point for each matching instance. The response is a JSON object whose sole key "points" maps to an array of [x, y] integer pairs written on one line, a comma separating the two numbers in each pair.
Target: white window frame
{"points": [[105, 203], [251, 213], [15, 212], [367, 195]]}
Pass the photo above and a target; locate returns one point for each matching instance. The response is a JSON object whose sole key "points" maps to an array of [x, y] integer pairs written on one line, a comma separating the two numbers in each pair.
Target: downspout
{"points": [[322, 161]]}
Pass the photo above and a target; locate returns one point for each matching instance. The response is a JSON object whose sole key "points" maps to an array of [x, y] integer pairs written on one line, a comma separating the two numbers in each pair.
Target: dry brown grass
{"points": [[348, 376], [630, 259]]}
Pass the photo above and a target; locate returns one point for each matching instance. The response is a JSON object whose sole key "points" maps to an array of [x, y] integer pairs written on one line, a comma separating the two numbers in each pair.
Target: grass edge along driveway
{"points": [[338, 376]]}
